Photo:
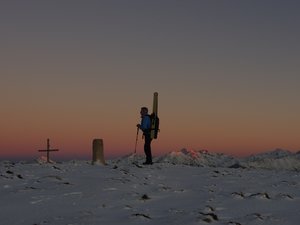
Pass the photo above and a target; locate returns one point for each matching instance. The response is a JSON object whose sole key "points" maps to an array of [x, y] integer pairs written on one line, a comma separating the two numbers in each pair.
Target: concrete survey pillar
{"points": [[98, 152]]}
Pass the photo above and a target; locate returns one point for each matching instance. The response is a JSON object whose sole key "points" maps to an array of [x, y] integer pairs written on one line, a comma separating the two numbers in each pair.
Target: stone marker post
{"points": [[98, 154]]}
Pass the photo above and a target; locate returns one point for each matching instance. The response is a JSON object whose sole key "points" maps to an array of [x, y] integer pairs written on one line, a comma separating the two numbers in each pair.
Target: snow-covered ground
{"points": [[184, 187]]}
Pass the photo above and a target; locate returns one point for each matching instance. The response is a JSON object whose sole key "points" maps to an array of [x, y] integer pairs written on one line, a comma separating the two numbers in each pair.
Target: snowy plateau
{"points": [[182, 187]]}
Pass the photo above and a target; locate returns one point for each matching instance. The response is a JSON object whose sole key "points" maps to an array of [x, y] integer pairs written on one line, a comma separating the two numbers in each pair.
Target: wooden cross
{"points": [[48, 150]]}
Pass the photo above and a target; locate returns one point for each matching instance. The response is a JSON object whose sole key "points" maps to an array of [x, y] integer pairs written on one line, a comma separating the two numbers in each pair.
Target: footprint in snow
{"points": [[284, 196], [141, 215], [208, 209], [208, 217], [261, 195], [242, 195], [239, 195], [208, 214]]}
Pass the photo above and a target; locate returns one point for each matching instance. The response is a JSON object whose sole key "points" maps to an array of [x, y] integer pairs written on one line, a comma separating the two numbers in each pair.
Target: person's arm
{"points": [[145, 124]]}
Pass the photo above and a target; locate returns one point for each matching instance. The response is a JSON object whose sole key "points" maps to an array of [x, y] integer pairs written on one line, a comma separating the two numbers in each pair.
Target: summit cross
{"points": [[48, 150]]}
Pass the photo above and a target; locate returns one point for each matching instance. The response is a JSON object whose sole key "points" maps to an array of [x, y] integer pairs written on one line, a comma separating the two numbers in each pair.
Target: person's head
{"points": [[144, 111]]}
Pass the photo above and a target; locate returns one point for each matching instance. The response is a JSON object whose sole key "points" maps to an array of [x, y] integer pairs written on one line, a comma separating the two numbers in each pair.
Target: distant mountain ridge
{"points": [[276, 159], [198, 158]]}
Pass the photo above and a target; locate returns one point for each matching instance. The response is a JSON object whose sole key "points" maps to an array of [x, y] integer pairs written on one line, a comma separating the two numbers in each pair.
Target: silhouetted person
{"points": [[145, 126]]}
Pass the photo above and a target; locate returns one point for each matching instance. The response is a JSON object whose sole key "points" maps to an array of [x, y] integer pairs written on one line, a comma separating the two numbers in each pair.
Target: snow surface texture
{"points": [[184, 187]]}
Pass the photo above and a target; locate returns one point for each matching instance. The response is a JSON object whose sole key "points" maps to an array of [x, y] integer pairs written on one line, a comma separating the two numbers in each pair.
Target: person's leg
{"points": [[147, 149]]}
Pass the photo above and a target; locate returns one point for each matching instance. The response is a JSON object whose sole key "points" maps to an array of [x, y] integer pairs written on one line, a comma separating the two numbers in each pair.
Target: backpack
{"points": [[154, 125]]}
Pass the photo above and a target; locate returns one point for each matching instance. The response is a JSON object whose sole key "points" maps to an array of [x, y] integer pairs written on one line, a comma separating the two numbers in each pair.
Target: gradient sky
{"points": [[227, 73]]}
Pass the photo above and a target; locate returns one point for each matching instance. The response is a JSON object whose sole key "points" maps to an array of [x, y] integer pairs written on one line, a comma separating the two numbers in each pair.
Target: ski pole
{"points": [[136, 140]]}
